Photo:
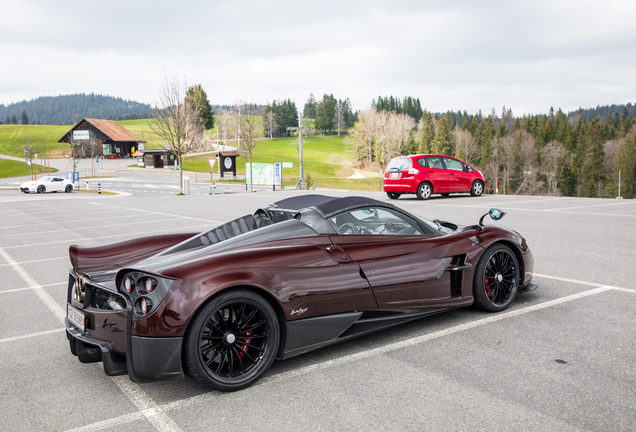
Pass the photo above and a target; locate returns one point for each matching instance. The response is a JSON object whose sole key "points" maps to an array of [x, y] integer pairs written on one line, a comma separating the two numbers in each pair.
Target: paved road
{"points": [[561, 358], [116, 176]]}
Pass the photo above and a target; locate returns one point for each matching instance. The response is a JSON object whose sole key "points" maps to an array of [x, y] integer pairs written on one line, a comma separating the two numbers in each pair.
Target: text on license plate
{"points": [[76, 317], [395, 175]]}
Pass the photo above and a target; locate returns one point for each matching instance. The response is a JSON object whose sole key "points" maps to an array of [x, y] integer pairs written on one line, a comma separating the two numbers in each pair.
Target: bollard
{"points": [[99, 188], [86, 184], [212, 188], [186, 185]]}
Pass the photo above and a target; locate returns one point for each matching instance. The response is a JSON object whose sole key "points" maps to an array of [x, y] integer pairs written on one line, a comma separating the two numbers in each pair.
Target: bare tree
{"points": [[466, 148], [247, 131], [176, 122], [94, 148], [338, 118], [552, 164], [270, 123]]}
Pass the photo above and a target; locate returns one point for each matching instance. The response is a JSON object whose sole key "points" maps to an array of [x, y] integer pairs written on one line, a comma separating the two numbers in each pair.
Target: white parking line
{"points": [[137, 396], [595, 205], [159, 213], [131, 235], [209, 397], [40, 222], [95, 227], [34, 261], [28, 288], [27, 336]]}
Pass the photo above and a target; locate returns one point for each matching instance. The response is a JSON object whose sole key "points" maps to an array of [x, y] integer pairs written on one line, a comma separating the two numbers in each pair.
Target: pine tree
{"points": [[325, 112], [310, 107], [198, 99], [442, 143], [14, 119], [427, 133]]}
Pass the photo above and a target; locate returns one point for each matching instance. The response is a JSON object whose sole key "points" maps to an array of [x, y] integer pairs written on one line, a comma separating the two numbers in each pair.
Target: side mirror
{"points": [[495, 214]]}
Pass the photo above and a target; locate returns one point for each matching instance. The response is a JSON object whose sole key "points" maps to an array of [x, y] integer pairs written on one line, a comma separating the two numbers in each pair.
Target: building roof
{"points": [[113, 130]]}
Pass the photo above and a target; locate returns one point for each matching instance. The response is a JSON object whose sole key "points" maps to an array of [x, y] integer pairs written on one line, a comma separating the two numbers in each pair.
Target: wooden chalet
{"points": [[93, 137]]}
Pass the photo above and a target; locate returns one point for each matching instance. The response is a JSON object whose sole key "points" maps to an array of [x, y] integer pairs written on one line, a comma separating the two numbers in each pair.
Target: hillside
{"points": [[69, 109]]}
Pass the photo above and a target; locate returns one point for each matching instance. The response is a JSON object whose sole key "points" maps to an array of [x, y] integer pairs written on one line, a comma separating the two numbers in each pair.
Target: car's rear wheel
{"points": [[477, 188], [496, 279], [393, 195], [41, 189], [232, 340], [424, 191], [68, 189]]}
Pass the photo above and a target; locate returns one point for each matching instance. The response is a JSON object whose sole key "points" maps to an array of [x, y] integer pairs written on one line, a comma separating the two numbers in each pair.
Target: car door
{"points": [[458, 179], [405, 266], [57, 184], [435, 173]]}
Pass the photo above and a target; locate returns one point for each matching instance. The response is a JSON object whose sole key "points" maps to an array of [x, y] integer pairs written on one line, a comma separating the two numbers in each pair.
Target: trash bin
{"points": [[186, 185]]}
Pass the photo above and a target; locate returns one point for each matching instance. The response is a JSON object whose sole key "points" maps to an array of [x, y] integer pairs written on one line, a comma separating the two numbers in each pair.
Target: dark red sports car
{"points": [[295, 276]]}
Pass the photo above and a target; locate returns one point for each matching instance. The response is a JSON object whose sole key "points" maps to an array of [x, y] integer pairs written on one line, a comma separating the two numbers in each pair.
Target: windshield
{"points": [[46, 178], [399, 164]]}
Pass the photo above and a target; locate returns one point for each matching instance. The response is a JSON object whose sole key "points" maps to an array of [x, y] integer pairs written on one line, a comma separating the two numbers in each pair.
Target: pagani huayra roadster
{"points": [[297, 275]]}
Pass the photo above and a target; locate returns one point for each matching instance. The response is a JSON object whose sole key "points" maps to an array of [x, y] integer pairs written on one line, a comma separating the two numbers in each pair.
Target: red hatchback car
{"points": [[425, 175]]}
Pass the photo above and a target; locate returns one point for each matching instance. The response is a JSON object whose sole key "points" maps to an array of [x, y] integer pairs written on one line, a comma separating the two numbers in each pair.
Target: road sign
{"points": [[288, 164], [211, 161]]}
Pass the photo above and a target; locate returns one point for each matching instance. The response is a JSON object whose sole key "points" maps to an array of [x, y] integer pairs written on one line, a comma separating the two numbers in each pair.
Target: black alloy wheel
{"points": [[477, 188], [393, 195], [496, 280], [232, 340], [68, 189], [424, 191], [41, 189]]}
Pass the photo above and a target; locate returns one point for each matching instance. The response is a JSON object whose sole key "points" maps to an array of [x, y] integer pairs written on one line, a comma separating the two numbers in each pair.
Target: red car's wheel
{"points": [[393, 195], [232, 340], [496, 280], [477, 188], [424, 191]]}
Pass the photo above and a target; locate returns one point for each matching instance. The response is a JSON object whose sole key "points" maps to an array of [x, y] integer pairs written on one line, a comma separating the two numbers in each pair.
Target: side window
{"points": [[374, 221], [453, 164], [422, 162], [434, 162]]}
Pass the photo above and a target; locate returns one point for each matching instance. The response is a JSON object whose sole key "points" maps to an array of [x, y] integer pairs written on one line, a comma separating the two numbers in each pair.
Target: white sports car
{"points": [[47, 184]]}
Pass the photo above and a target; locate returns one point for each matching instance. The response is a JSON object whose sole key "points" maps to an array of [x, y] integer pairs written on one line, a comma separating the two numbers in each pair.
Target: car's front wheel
{"points": [[477, 188], [41, 189], [68, 189], [424, 191], [393, 195], [232, 340], [496, 279]]}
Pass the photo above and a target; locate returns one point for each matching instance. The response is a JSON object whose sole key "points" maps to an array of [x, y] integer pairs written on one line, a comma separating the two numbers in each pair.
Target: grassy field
{"points": [[9, 168], [14, 137], [325, 160]]}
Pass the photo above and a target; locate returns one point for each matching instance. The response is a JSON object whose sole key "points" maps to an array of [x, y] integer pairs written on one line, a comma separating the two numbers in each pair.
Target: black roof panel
{"points": [[325, 204]]}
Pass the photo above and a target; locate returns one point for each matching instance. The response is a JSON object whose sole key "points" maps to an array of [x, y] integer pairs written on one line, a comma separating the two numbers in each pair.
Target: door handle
{"points": [[338, 253]]}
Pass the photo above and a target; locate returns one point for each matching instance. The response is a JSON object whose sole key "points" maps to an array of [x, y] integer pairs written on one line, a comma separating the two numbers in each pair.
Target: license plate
{"points": [[76, 317], [395, 175]]}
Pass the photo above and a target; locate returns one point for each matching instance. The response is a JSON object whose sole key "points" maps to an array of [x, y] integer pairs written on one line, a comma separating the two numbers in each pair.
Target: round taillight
{"points": [[127, 284], [149, 285], [144, 306]]}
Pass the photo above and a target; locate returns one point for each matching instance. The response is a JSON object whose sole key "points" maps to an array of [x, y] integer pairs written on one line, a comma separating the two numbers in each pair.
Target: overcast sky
{"points": [[526, 55]]}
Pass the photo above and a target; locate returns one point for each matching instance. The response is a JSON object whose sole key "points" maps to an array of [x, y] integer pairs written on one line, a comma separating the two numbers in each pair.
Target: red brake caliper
{"points": [[487, 287], [241, 354]]}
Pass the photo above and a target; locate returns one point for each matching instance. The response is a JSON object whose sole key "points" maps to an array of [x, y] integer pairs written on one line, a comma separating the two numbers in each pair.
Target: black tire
{"points": [[496, 280], [477, 188], [68, 189], [445, 194], [232, 340], [424, 191], [41, 189], [393, 195]]}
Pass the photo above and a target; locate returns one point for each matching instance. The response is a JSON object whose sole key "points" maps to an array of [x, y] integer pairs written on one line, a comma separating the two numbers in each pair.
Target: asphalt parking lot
{"points": [[561, 358]]}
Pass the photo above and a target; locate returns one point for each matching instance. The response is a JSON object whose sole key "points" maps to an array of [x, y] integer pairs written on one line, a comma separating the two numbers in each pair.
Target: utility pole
{"points": [[301, 181]]}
